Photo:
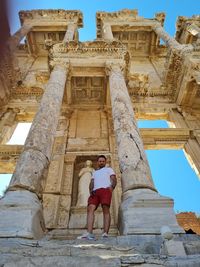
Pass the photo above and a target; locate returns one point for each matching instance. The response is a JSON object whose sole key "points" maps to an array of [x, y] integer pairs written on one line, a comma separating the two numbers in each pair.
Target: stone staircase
{"points": [[71, 234], [118, 251]]}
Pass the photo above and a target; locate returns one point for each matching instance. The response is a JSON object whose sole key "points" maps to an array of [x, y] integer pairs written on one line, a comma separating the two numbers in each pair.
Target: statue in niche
{"points": [[85, 175]]}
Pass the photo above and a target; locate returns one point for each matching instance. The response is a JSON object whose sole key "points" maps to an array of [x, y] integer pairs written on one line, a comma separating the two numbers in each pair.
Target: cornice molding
{"points": [[51, 15]]}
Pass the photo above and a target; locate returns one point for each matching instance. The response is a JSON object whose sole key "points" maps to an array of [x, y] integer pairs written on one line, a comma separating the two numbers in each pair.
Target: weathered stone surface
{"points": [[39, 143], [55, 170], [34, 161], [29, 172], [192, 247], [163, 83], [78, 218], [18, 36], [21, 215], [69, 35], [141, 208], [41, 135], [136, 203], [132, 159], [135, 259], [65, 261], [107, 32], [171, 42], [22, 252], [174, 248]]}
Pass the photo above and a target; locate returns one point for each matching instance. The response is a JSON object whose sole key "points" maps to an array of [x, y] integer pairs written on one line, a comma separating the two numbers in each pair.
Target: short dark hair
{"points": [[101, 156]]}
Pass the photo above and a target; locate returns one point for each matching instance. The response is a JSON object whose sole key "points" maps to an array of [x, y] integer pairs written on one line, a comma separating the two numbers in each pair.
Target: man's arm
{"points": [[91, 186], [113, 180]]}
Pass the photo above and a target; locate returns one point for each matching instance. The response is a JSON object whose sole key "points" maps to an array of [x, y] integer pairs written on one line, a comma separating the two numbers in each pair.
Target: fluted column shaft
{"points": [[107, 32], [38, 146], [69, 35], [132, 159]]}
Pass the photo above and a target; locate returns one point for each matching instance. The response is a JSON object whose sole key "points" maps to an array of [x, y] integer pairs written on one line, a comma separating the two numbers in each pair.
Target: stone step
{"points": [[70, 234], [137, 250]]}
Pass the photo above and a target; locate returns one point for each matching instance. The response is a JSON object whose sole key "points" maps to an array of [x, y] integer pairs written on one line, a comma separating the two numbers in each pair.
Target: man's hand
{"points": [[91, 186], [113, 180], [92, 193]]}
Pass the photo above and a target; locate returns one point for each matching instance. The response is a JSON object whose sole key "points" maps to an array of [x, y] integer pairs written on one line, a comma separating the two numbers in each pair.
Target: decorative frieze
{"points": [[81, 50]]}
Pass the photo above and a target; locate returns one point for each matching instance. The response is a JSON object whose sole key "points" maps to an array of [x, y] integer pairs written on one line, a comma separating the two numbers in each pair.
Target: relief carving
{"points": [[139, 84]]}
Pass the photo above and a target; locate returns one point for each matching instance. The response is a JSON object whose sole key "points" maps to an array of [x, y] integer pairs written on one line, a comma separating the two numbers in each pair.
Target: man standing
{"points": [[102, 184]]}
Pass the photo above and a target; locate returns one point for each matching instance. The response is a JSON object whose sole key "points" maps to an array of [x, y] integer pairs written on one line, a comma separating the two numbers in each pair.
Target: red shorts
{"points": [[100, 196]]}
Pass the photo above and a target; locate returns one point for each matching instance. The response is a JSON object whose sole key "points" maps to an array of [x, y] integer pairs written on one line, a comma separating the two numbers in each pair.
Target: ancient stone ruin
{"points": [[84, 99]]}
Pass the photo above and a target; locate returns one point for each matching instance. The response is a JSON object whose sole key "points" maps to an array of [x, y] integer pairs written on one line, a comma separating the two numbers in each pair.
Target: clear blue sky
{"points": [[171, 172]]}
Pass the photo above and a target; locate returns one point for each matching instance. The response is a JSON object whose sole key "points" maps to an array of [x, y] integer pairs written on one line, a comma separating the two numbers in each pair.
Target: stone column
{"points": [[12, 44], [7, 126], [169, 41], [15, 39], [192, 152], [177, 119], [69, 35], [132, 159], [107, 32], [25, 218], [141, 204]]}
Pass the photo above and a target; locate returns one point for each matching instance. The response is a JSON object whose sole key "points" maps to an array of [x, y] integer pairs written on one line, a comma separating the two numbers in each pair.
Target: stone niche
{"points": [[78, 214], [88, 131], [78, 165]]}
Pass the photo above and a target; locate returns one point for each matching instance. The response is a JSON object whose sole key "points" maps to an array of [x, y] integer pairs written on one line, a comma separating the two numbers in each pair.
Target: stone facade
{"points": [[84, 99]]}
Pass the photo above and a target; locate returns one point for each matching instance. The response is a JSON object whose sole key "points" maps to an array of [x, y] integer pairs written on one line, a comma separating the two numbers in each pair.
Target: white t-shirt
{"points": [[102, 177]]}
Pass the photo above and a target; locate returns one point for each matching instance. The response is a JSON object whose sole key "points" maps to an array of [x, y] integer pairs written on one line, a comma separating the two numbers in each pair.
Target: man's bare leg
{"points": [[90, 217], [106, 218]]}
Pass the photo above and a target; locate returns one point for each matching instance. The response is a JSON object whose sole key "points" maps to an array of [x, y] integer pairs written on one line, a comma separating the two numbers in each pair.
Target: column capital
{"points": [[160, 17], [114, 66], [55, 64]]}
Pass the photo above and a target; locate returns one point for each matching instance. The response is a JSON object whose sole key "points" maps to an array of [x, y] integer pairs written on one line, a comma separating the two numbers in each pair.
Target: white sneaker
{"points": [[87, 236], [104, 235]]}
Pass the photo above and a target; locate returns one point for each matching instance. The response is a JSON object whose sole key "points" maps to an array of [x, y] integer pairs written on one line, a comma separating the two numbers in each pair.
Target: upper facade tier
{"points": [[50, 26]]}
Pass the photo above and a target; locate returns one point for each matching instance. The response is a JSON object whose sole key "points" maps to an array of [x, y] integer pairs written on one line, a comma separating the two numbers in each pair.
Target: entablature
{"points": [[51, 15], [152, 138]]}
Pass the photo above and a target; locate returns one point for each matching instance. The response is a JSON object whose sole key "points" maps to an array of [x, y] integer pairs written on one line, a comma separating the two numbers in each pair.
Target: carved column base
{"points": [[21, 215], [144, 211]]}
